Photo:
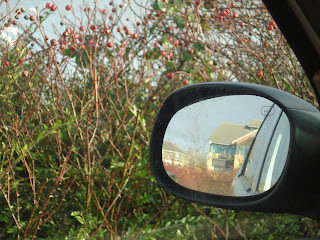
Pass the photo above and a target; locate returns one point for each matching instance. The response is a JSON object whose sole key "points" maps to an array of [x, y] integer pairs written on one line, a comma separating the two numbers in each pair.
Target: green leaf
{"points": [[166, 40], [171, 66], [179, 21], [153, 54], [171, 7], [186, 55], [192, 17], [66, 52], [198, 47], [155, 5], [40, 135], [25, 147], [88, 37], [205, 25], [117, 165], [58, 123]]}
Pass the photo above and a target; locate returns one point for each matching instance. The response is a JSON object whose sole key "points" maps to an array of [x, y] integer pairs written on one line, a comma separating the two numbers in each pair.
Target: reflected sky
{"points": [[194, 124]]}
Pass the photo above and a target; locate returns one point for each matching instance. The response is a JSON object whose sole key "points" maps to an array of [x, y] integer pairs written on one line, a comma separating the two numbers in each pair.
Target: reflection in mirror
{"points": [[231, 145]]}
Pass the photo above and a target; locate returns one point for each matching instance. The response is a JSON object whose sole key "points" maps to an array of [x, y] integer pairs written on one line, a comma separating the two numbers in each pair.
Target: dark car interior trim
{"points": [[289, 194], [298, 38]]}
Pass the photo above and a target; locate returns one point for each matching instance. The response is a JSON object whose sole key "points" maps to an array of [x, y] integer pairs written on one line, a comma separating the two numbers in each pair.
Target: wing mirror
{"points": [[238, 146]]}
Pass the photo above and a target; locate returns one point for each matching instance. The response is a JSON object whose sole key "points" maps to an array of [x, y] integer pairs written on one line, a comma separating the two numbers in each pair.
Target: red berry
{"points": [[120, 6], [53, 7], [270, 28], [72, 48], [191, 51], [163, 53], [170, 54], [260, 74], [156, 44], [18, 11], [229, 62], [233, 4], [14, 22], [48, 5], [143, 41], [114, 10], [170, 75], [170, 28], [104, 11], [81, 39], [20, 60], [125, 28], [68, 7], [32, 18], [128, 32], [185, 82], [110, 44], [242, 24], [135, 36], [54, 42], [25, 73], [93, 27], [65, 34], [82, 29], [272, 23], [235, 15], [227, 11], [6, 63], [110, 3], [119, 29], [91, 41], [46, 38], [107, 31]]}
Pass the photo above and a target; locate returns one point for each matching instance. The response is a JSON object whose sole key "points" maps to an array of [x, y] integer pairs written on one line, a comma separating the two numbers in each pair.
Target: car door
{"points": [[248, 177]]}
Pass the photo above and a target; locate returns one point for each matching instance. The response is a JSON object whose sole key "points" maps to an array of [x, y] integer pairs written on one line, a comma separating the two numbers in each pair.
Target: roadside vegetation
{"points": [[76, 112]]}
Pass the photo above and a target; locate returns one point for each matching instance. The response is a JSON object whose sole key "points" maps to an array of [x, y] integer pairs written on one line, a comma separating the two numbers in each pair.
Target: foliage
{"points": [[76, 114]]}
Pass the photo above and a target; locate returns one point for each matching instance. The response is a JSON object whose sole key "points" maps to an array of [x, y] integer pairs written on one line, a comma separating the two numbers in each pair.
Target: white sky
{"points": [[201, 119], [55, 19]]}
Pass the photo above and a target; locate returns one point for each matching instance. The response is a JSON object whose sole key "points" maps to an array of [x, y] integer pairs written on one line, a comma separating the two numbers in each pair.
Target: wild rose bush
{"points": [[76, 111]]}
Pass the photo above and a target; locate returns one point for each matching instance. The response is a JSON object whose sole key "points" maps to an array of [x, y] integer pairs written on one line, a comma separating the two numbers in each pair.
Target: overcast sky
{"points": [[199, 120], [54, 19]]}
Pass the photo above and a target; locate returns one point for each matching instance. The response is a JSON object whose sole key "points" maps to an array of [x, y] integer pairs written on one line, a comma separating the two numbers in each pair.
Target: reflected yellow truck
{"points": [[229, 145]]}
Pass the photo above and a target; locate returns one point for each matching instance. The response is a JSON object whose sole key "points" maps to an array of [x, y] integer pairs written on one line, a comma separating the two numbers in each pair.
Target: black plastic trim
{"points": [[297, 190], [297, 35]]}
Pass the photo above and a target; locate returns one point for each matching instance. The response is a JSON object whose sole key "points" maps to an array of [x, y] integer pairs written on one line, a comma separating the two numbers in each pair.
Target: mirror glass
{"points": [[231, 145]]}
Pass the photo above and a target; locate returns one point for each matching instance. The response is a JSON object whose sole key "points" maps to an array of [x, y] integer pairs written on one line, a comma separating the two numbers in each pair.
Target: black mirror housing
{"points": [[295, 192]]}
